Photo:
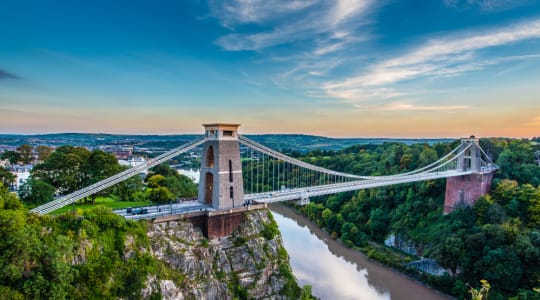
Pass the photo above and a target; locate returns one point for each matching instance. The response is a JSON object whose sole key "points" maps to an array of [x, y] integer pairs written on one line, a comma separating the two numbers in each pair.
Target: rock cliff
{"points": [[251, 263]]}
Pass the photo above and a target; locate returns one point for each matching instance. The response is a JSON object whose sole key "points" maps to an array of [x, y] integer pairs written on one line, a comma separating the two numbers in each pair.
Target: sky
{"points": [[344, 68]]}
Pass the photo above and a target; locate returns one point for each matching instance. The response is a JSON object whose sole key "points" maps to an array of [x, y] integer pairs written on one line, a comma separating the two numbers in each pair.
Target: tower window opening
{"points": [[210, 157], [230, 171], [228, 133], [231, 192]]}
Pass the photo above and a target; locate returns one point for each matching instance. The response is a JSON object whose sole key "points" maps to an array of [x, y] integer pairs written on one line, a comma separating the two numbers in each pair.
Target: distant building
{"points": [[4, 148], [122, 155], [5, 164], [133, 161], [22, 173]]}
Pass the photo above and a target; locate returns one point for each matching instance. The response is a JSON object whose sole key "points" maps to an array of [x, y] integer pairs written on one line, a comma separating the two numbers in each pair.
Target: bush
{"points": [[240, 241]]}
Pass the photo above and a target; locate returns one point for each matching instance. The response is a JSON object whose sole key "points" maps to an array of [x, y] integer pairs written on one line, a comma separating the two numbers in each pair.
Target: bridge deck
{"points": [[302, 193], [158, 211]]}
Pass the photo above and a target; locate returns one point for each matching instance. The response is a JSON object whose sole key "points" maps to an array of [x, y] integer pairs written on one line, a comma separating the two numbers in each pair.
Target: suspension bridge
{"points": [[237, 171]]}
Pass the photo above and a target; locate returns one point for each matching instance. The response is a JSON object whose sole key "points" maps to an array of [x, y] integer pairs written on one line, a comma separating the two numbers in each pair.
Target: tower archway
{"points": [[209, 188]]}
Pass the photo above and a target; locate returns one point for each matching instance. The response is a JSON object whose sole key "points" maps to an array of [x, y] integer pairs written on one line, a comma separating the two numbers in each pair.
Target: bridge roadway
{"points": [[157, 211], [152, 212], [306, 192]]}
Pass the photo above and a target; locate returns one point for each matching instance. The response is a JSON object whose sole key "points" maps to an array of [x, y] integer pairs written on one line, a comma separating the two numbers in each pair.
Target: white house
{"points": [[133, 161], [22, 173]]}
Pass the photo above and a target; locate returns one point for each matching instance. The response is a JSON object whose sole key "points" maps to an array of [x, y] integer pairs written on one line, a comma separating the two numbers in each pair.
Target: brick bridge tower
{"points": [[221, 184], [466, 189]]}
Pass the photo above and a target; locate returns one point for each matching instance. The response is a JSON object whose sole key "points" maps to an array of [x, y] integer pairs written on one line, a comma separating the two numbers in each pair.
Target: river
{"points": [[337, 272]]}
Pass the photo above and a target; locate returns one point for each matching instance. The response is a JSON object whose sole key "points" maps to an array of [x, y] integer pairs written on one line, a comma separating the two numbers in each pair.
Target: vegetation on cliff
{"points": [[71, 256], [97, 254]]}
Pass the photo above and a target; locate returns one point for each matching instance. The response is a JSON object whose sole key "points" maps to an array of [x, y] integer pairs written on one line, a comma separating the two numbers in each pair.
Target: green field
{"points": [[104, 201]]}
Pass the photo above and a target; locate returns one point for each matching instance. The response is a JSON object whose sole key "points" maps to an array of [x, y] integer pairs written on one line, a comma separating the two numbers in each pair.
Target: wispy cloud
{"points": [[535, 122], [7, 75], [232, 13], [408, 106], [487, 5], [325, 55], [289, 21], [450, 56]]}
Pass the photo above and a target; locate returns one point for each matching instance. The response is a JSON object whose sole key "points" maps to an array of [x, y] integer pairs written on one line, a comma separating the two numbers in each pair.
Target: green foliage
{"points": [[13, 156], [178, 184], [6, 177], [43, 152], [517, 163], [8, 200], [71, 168], [497, 239], [160, 194], [306, 293], [70, 256], [482, 293], [239, 241], [26, 153], [35, 191], [290, 289], [156, 181], [270, 229], [130, 190]]}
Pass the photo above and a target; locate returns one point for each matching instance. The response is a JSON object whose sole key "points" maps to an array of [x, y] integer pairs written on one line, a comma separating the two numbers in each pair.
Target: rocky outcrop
{"points": [[248, 264]]}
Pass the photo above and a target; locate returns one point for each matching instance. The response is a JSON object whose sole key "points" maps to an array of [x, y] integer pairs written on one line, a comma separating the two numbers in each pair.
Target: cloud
{"points": [[232, 13], [535, 122], [450, 56], [6, 75], [404, 106], [487, 5], [288, 21]]}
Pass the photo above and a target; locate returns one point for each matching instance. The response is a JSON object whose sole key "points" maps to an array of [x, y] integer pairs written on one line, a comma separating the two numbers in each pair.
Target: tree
{"points": [[427, 156], [130, 189], [71, 168], [406, 161], [516, 162], [13, 157], [43, 152], [26, 153], [326, 214], [35, 191], [99, 166], [64, 169], [8, 200], [534, 210], [6, 177], [156, 181], [449, 253], [482, 293], [160, 194], [163, 169], [505, 191], [179, 185]]}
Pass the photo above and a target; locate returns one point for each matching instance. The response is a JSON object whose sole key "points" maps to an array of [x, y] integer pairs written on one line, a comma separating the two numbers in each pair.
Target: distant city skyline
{"points": [[344, 68]]}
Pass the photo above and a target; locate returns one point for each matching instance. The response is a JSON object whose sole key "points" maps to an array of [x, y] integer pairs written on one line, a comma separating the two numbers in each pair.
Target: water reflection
{"points": [[193, 174], [337, 272]]}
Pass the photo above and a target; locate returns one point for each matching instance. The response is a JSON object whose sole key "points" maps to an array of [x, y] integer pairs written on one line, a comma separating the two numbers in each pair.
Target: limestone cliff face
{"points": [[251, 263]]}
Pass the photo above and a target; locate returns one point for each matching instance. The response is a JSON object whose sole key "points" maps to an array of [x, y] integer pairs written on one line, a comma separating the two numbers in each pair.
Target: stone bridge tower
{"points": [[466, 189], [221, 184]]}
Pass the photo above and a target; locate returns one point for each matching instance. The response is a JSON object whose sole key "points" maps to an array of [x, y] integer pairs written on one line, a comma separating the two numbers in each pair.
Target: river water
{"points": [[337, 272]]}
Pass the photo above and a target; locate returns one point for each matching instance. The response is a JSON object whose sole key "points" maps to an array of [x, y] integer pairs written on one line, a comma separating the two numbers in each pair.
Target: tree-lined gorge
{"points": [[497, 239]]}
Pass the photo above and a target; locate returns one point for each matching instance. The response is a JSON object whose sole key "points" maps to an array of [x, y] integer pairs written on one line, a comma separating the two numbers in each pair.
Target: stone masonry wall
{"points": [[465, 190]]}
